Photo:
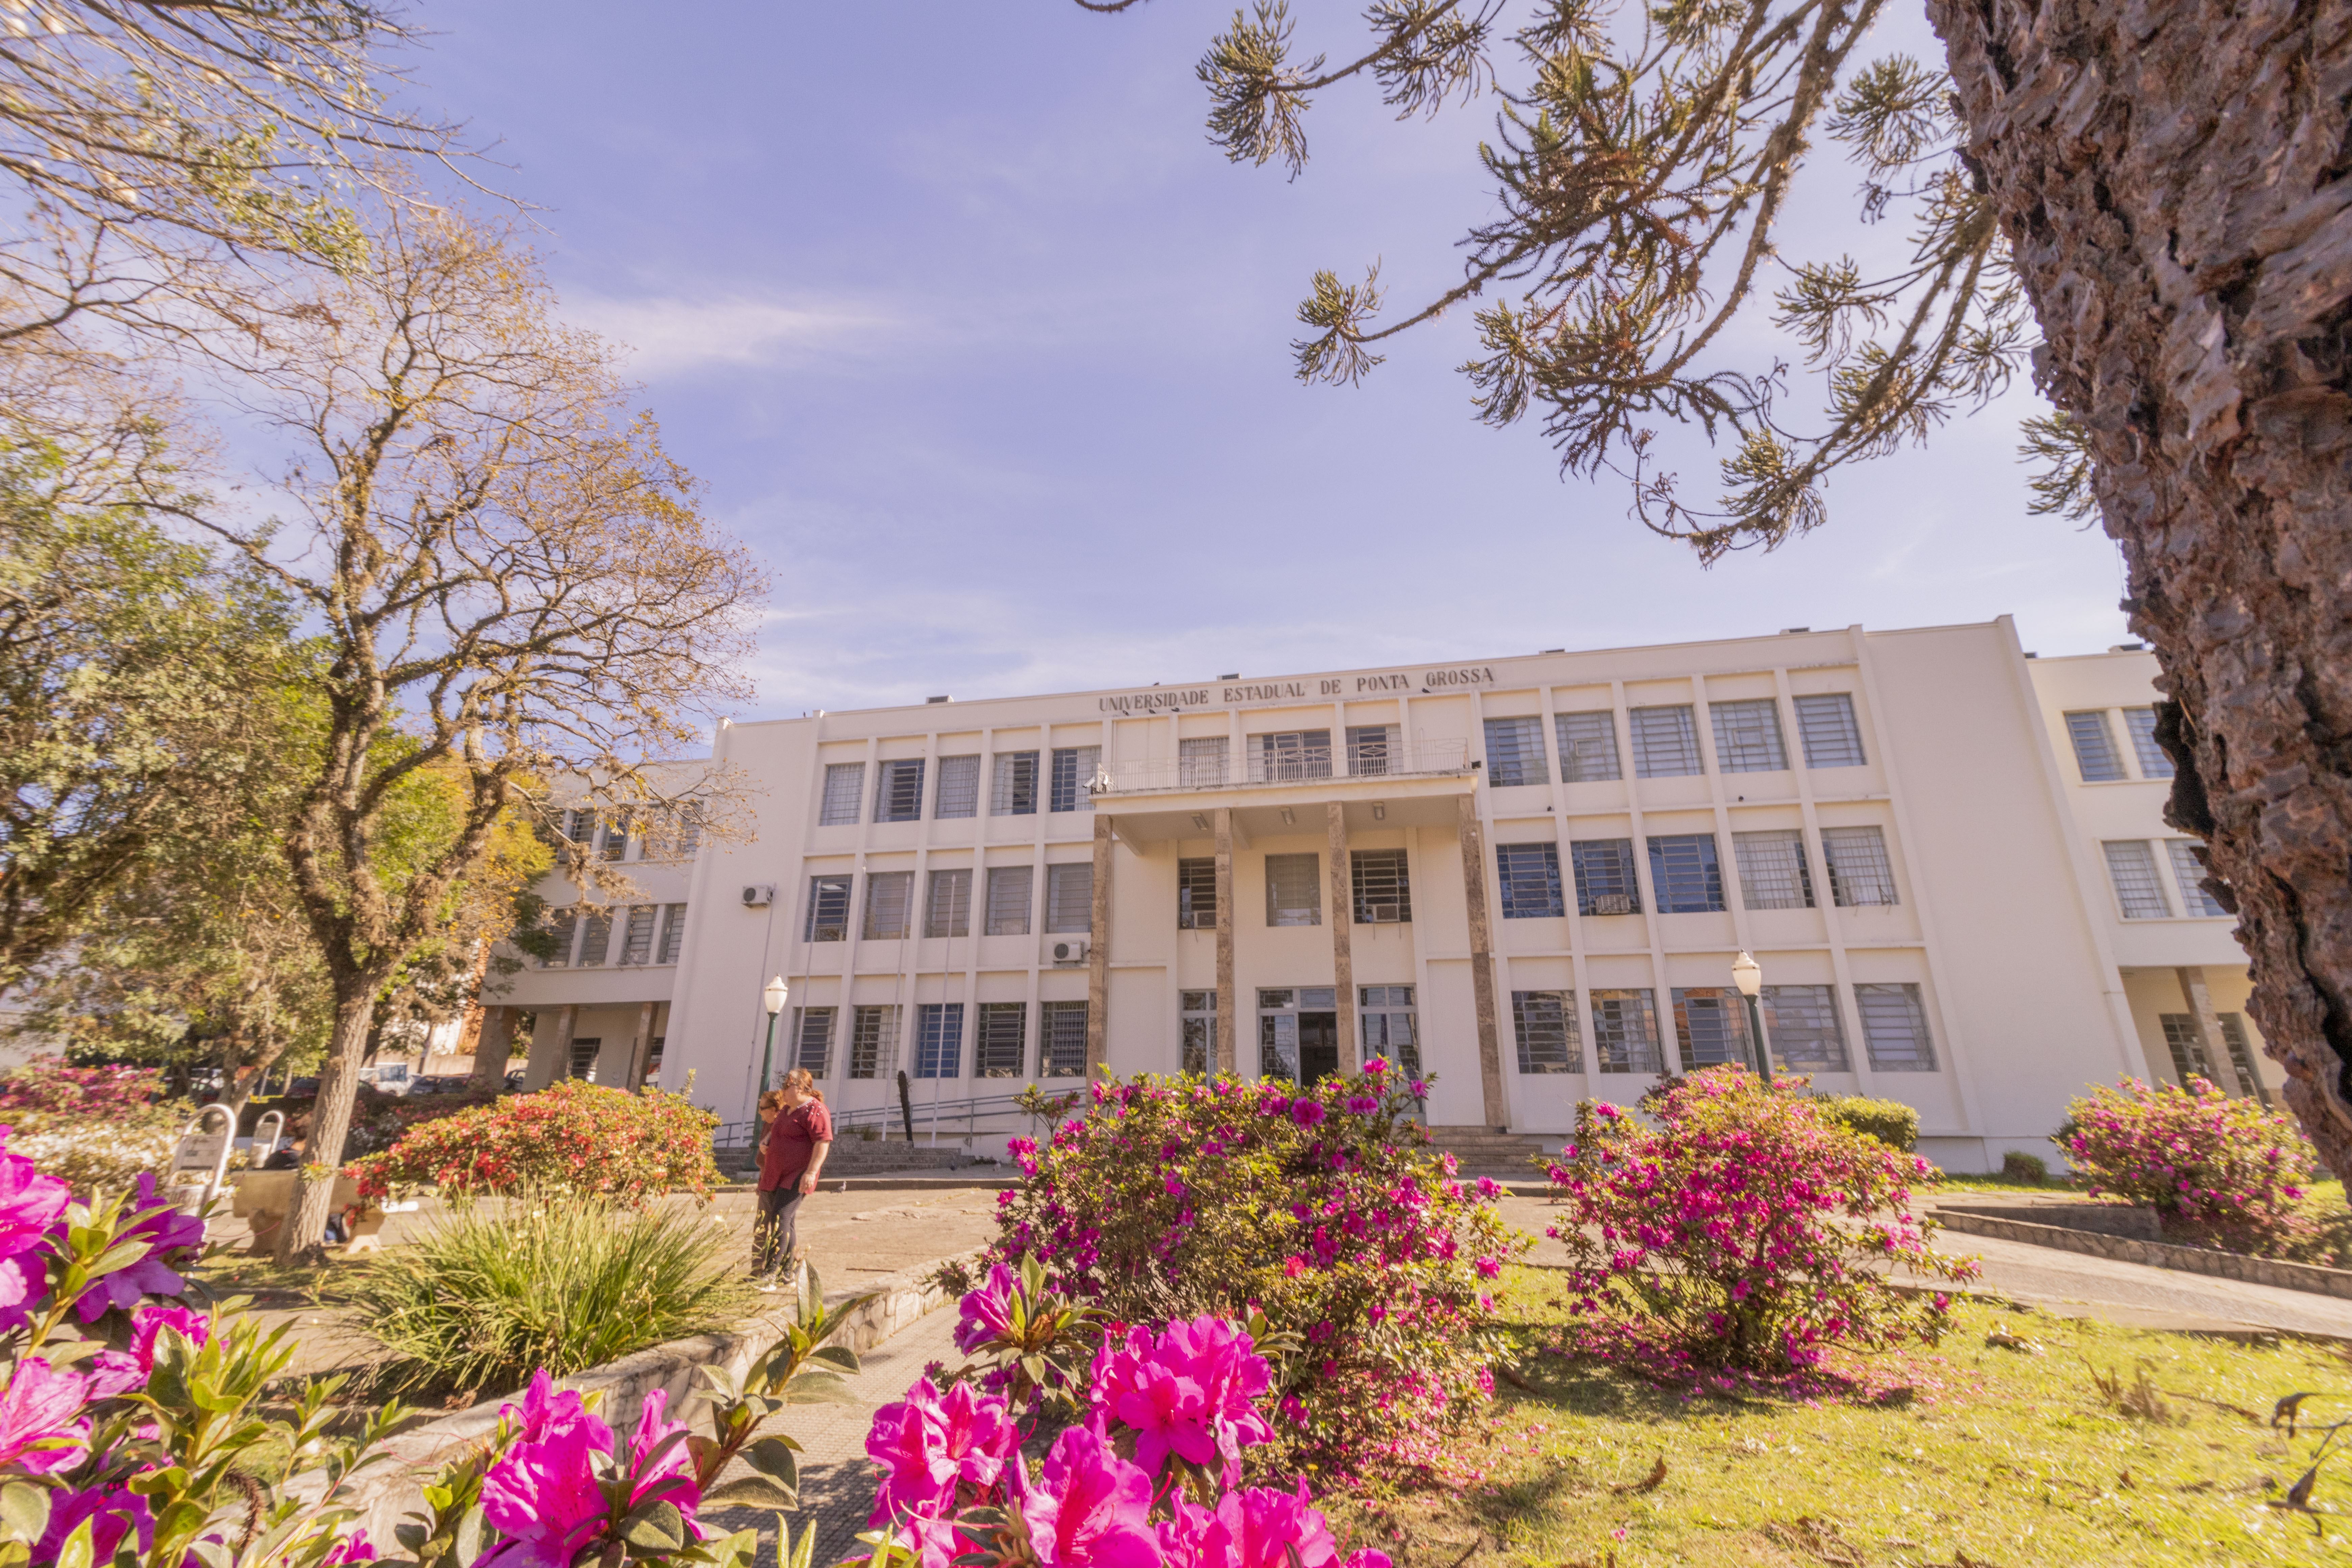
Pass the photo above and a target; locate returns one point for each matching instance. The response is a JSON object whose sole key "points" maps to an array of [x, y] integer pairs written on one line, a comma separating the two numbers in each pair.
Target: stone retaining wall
{"points": [[2161, 1255]]}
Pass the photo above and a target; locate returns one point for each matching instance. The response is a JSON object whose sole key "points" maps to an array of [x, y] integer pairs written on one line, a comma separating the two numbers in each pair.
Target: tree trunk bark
{"points": [[2173, 179], [305, 1231]]}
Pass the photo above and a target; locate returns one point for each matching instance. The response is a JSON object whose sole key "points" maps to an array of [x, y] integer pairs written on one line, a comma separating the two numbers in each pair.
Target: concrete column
{"points": [[2209, 1027], [1229, 1018], [640, 1047], [1482, 958], [493, 1048], [1343, 934], [550, 1048], [1098, 952]]}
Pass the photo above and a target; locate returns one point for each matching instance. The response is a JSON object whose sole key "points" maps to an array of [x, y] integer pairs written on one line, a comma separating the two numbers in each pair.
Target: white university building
{"points": [[1527, 876]]}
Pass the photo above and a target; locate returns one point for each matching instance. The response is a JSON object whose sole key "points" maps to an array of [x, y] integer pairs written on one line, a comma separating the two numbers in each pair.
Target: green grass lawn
{"points": [[1975, 1455]]}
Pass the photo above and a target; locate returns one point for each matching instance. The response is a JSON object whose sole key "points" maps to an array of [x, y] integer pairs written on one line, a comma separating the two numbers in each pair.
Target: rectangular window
{"points": [[673, 937], [1748, 736], [1588, 747], [1894, 1028], [813, 1044], [580, 828], [2132, 868], [939, 1039], [562, 926], [1373, 751], [2094, 746], [2189, 1059], [1515, 753], [947, 905], [2191, 877], [616, 837], [1277, 1033], [899, 790], [1196, 893], [595, 938], [828, 909], [1801, 1022], [1685, 876], [689, 836], [1294, 890], [1825, 724], [844, 783], [1774, 874], [1390, 1031], [1527, 876], [873, 1042], [959, 793], [1015, 792], [2242, 1057], [1625, 1031], [637, 937], [1605, 879], [1004, 1040], [1859, 873], [1200, 762], [2140, 724], [1383, 888], [1545, 1024], [1290, 755], [1070, 898], [1074, 777], [584, 1051], [1711, 1027], [1062, 1048], [1200, 1024], [1008, 900], [1665, 742], [889, 905]]}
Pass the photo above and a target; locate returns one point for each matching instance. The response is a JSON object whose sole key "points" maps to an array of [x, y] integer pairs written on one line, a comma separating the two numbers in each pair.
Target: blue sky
{"points": [[982, 347]]}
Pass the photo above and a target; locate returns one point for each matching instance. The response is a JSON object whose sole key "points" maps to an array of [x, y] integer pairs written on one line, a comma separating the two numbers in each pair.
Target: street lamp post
{"points": [[1748, 976], [774, 996]]}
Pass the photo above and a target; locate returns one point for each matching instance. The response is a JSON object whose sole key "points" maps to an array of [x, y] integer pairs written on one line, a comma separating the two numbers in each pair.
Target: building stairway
{"points": [[1482, 1151]]}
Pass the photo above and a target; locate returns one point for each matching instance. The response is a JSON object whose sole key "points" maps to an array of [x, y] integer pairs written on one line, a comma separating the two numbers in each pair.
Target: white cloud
{"points": [[672, 337]]}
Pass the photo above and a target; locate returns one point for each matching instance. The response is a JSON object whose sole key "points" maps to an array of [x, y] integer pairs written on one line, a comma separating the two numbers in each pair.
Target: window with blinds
{"points": [[1588, 747], [958, 791], [1013, 791], [1200, 762], [844, 783], [2132, 868], [1802, 1023], [1070, 898], [1196, 893], [1385, 1013], [1665, 742], [1748, 736], [1686, 878], [1514, 752], [2140, 724], [2242, 1057], [899, 790], [580, 828], [563, 929], [595, 938], [1827, 730], [1894, 1028], [1062, 1039], [873, 1042], [673, 936], [1606, 882], [1859, 873], [1544, 1022], [1625, 1031], [1290, 755], [939, 1039], [1711, 1027], [1002, 1041], [2191, 877], [813, 1041], [1372, 750], [1294, 890], [947, 903], [2094, 746], [637, 936], [2187, 1050], [1199, 1021], [1773, 872], [1074, 771], [889, 905], [1008, 900], [1528, 878], [1383, 888], [828, 909]]}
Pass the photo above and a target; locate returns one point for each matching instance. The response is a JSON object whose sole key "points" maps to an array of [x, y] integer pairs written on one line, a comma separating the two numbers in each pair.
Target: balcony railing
{"points": [[1421, 759]]}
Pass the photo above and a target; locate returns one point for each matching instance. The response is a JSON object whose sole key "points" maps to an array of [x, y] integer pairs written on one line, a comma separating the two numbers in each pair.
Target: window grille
{"points": [[1774, 874], [1008, 900], [1372, 750], [1894, 1028], [1200, 762], [1625, 1031], [1859, 873], [1605, 879], [2242, 1057], [1062, 1050], [1003, 1039], [580, 828], [873, 1042], [1383, 887], [1291, 754], [844, 783], [1529, 876], [1196, 893], [616, 837], [595, 938], [1389, 1030], [1826, 726], [939, 1039], [562, 926], [1545, 1024], [899, 790], [673, 937], [2190, 876], [1015, 792], [1711, 1027], [2189, 1059], [1294, 890], [1685, 876], [1514, 752], [947, 906], [1199, 1016], [637, 937], [813, 1044], [959, 791], [689, 835], [1665, 742], [2132, 868], [828, 909], [2094, 746], [1588, 747], [889, 900], [1748, 736], [2140, 724], [1070, 898], [1073, 770], [584, 1054], [1277, 1035], [1802, 1023]]}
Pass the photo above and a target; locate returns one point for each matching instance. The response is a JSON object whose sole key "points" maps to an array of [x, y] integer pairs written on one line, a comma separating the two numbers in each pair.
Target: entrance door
{"points": [[1318, 1046]]}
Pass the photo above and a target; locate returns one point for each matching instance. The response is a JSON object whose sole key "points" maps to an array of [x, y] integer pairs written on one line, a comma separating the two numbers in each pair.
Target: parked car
{"points": [[441, 1083], [388, 1078]]}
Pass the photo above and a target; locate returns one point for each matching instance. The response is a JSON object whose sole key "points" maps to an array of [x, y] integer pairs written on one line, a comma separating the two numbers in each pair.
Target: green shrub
{"points": [[1890, 1121], [572, 1137], [565, 1283], [2020, 1166]]}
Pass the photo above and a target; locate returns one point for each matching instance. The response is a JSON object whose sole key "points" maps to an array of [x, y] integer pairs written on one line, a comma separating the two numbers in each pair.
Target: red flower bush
{"points": [[573, 1137], [2217, 1172], [46, 1083]]}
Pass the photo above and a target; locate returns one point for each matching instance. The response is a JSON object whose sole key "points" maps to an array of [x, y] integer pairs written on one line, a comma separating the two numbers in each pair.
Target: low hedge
{"points": [[1890, 1121]]}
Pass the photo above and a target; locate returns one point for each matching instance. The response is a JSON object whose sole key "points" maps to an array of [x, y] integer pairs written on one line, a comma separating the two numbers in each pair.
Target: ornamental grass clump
{"points": [[572, 1137], [1740, 1230], [2217, 1172]]}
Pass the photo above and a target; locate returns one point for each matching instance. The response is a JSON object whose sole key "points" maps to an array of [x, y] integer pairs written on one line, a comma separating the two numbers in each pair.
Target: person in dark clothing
{"points": [[792, 1156]]}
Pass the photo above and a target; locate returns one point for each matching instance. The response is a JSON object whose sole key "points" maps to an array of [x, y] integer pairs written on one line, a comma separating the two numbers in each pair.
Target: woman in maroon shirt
{"points": [[800, 1133]]}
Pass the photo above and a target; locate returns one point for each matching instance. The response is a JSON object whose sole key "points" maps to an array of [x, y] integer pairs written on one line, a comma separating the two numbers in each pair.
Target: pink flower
{"points": [[39, 1411], [353, 1548], [675, 1463], [985, 1315], [1362, 1105], [164, 1230], [30, 1204], [928, 1443], [1261, 1528], [1421, 1089], [543, 1492], [1091, 1508], [113, 1513], [1193, 1393], [148, 1323]]}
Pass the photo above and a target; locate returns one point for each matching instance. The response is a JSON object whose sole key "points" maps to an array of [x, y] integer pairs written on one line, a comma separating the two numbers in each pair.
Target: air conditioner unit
{"points": [[759, 895], [1072, 950], [1383, 914], [1612, 904]]}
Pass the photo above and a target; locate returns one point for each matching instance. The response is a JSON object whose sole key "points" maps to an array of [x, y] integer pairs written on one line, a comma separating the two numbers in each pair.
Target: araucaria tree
{"points": [[2163, 188]]}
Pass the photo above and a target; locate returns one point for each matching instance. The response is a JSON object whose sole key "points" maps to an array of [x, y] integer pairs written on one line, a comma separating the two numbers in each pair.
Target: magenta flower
{"points": [[929, 1444], [39, 1411], [112, 1373], [543, 1492], [1307, 1112], [164, 1230], [675, 1462], [1261, 1528], [1421, 1089], [1191, 1393], [148, 1323], [1091, 1508], [353, 1548], [30, 1204], [1362, 1105], [986, 1314], [113, 1513]]}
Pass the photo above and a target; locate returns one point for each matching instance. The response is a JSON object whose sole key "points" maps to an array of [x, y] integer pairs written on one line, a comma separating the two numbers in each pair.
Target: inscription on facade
{"points": [[1179, 698]]}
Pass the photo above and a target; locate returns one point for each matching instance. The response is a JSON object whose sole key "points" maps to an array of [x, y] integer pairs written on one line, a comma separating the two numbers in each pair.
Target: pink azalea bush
{"points": [[2220, 1172], [1739, 1229], [572, 1137], [91, 1128]]}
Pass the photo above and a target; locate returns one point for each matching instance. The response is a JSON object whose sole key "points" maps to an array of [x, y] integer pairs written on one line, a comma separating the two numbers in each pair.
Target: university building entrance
{"points": [[1299, 1034]]}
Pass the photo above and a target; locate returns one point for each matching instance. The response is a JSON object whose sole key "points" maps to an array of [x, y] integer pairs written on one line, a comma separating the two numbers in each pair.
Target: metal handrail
{"points": [[957, 1117]]}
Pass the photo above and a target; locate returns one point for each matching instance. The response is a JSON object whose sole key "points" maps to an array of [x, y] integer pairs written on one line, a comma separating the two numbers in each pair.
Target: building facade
{"points": [[1528, 876]]}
